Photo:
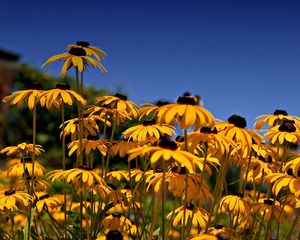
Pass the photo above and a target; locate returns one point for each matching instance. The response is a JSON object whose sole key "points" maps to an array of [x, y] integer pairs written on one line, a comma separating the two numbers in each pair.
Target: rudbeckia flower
{"points": [[219, 231], [116, 221], [282, 180], [90, 50], [235, 129], [293, 165], [278, 117], [40, 185], [186, 113], [203, 236], [217, 144], [92, 143], [12, 199], [150, 110], [121, 148], [148, 129], [33, 95], [23, 167], [267, 208], [62, 94], [197, 215], [44, 200], [167, 150], [118, 175], [75, 175], [235, 205], [285, 132], [22, 150], [113, 235], [120, 103], [90, 126], [75, 57]]}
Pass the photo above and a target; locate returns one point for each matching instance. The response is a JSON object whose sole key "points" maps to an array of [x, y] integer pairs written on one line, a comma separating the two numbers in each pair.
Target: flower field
{"points": [[166, 170]]}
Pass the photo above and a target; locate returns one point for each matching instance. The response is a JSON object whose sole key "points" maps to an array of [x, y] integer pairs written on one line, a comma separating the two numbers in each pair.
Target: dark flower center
{"points": [[26, 160], [82, 43], [186, 100], [113, 187], [238, 194], [122, 97], [44, 196], [159, 170], [116, 215], [291, 173], [280, 112], [168, 144], [249, 186], [83, 167], [287, 127], [114, 235], [186, 94], [208, 130], [149, 122], [268, 201], [76, 51], [63, 86], [9, 192], [182, 170], [93, 137], [218, 226], [237, 121], [161, 103], [127, 187], [190, 206], [35, 86], [179, 139]]}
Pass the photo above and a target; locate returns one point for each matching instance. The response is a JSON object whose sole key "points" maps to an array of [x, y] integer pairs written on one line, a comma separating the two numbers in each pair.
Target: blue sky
{"points": [[241, 57]]}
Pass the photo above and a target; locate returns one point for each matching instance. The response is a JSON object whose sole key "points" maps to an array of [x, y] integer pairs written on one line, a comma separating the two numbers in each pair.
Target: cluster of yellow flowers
{"points": [[170, 187]]}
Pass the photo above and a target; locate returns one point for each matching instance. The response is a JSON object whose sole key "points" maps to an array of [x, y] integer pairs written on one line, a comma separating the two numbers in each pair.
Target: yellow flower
{"points": [[149, 129], [235, 205], [22, 150], [150, 110], [217, 144], [282, 180], [235, 130], [113, 235], [120, 103], [267, 208], [121, 148], [186, 113], [12, 200], [285, 132], [62, 94], [118, 175], [44, 200], [75, 57], [39, 184], [278, 117], [75, 175], [219, 231], [196, 215], [23, 167], [92, 143], [90, 50], [167, 150], [116, 221], [90, 126], [203, 236], [33, 95]]}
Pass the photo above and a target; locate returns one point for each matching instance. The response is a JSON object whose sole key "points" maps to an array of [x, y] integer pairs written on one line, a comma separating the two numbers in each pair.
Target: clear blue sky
{"points": [[241, 57]]}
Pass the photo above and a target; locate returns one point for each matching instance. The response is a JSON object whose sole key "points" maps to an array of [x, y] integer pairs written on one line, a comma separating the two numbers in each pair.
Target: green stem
{"points": [[64, 167], [163, 201]]}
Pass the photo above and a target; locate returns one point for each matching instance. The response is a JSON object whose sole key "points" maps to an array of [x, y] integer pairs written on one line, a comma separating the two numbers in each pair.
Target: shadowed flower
{"points": [[150, 110], [198, 216], [44, 200], [121, 148], [23, 167], [75, 57], [235, 205], [90, 50], [12, 200], [33, 95], [62, 94], [220, 231], [22, 150], [186, 113], [92, 143]]}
